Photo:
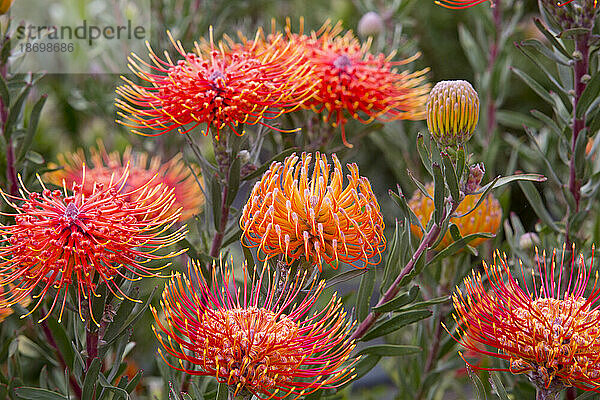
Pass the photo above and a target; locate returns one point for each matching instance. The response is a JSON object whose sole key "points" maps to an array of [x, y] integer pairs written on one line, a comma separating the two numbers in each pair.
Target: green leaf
{"points": [[498, 386], [590, 93], [222, 392], [130, 321], [390, 350], [365, 365], [34, 118], [64, 345], [116, 390], [424, 152], [535, 200], [32, 393], [91, 376], [124, 311], [233, 183], [395, 323], [439, 193], [4, 93], [399, 301], [401, 202], [451, 178], [365, 292], [15, 111], [345, 276], [260, 170], [458, 245], [429, 303], [131, 385], [551, 37], [579, 154], [548, 53], [392, 260], [516, 120], [470, 48], [533, 84]]}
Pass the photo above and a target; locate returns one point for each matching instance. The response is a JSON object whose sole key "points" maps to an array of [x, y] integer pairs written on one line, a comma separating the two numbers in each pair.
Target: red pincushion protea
{"points": [[550, 331], [268, 346], [364, 86], [60, 242], [459, 4], [217, 88], [316, 218], [102, 166]]}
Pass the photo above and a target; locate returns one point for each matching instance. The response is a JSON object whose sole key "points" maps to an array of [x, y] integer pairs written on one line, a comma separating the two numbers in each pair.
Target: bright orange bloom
{"points": [[268, 346], [359, 84], [485, 219], [548, 330], [214, 87], [292, 214], [102, 166], [61, 241]]}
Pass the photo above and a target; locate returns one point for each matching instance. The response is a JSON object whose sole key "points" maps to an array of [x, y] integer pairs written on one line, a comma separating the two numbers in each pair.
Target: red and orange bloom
{"points": [[295, 215], [269, 347], [358, 84], [63, 241], [549, 329], [485, 218], [102, 166], [216, 87], [460, 4]]}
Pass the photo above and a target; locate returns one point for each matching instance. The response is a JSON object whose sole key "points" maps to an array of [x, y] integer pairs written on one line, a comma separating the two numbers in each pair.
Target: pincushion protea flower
{"points": [[296, 215], [102, 166], [267, 345], [359, 84], [214, 87], [452, 112], [62, 241], [548, 329], [485, 218]]}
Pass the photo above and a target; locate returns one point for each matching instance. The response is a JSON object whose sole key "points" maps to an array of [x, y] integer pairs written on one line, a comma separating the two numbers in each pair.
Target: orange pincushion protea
{"points": [[550, 331], [485, 219], [61, 239], [267, 346], [100, 168], [292, 214], [214, 87], [354, 82]]}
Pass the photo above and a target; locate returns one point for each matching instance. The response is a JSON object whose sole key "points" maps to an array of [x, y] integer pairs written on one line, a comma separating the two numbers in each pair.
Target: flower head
{"points": [[485, 218], [298, 215], [61, 241], [266, 345], [548, 330], [214, 87], [452, 112], [358, 84], [102, 166]]}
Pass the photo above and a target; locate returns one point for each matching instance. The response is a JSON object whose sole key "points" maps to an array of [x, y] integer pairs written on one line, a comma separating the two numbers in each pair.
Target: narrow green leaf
{"points": [[34, 118], [390, 350], [401, 202], [116, 390], [551, 37], [131, 320], [424, 152], [501, 181], [498, 386], [395, 323], [534, 85], [451, 178], [535, 200], [15, 111], [391, 262], [365, 365], [473, 52], [589, 95], [579, 154], [399, 301], [32, 393], [233, 183], [439, 193], [91, 376], [428, 303], [365, 292], [4, 93], [516, 120], [65, 346], [548, 53], [346, 276], [458, 246], [222, 392], [260, 170], [131, 385], [124, 311]]}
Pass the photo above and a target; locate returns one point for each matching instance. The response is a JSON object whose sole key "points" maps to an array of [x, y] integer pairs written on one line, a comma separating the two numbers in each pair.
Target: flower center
{"points": [[72, 212], [342, 62], [217, 80], [252, 346]]}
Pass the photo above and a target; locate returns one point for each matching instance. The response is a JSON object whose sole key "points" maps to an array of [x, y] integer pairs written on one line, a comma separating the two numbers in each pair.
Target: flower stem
{"points": [[393, 290]]}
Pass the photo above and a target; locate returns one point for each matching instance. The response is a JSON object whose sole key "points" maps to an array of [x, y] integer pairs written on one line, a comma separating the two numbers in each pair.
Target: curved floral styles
{"points": [[452, 112], [357, 84], [485, 218], [6, 311], [214, 87], [268, 346], [315, 217], [549, 330], [102, 166], [70, 241], [459, 4]]}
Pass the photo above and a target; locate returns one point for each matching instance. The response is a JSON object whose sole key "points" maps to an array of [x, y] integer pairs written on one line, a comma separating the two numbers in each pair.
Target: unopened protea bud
{"points": [[452, 112], [476, 172], [371, 24]]}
